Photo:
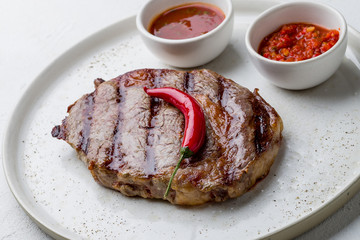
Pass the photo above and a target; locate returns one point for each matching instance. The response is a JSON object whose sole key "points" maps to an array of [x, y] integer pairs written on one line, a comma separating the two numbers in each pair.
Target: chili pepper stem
{"points": [[185, 153]]}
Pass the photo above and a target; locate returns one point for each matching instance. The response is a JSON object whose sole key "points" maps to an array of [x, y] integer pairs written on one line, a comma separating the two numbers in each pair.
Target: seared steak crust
{"points": [[131, 141]]}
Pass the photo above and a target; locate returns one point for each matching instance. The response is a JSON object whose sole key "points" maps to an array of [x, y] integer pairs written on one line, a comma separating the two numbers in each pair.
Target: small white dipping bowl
{"points": [[302, 74], [188, 52]]}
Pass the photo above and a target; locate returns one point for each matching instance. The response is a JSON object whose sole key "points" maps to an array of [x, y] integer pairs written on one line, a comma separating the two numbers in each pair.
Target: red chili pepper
{"points": [[194, 133]]}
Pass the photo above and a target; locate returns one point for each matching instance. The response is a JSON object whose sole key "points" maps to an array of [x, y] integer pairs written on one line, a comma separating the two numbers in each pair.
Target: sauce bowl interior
{"points": [[155, 7]]}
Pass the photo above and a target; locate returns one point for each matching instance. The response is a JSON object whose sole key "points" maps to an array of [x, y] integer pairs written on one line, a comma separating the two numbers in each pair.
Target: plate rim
{"points": [[294, 229]]}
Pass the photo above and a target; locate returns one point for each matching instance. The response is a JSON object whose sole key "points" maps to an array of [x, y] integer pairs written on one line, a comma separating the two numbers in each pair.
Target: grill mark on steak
{"points": [[223, 98], [262, 124], [220, 90], [87, 120], [189, 83], [150, 163], [155, 104], [115, 154]]}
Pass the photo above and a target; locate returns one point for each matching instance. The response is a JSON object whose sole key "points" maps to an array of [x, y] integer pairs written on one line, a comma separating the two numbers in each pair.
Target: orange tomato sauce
{"points": [[297, 41], [186, 21]]}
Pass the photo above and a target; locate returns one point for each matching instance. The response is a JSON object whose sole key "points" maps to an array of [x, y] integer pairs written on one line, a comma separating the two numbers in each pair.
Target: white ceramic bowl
{"points": [[188, 52], [302, 74]]}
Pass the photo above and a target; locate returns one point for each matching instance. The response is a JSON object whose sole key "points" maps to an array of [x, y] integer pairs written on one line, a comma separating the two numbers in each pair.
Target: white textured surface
{"points": [[33, 33]]}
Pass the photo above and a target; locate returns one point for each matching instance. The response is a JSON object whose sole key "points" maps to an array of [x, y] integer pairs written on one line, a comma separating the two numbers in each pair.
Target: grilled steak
{"points": [[131, 141]]}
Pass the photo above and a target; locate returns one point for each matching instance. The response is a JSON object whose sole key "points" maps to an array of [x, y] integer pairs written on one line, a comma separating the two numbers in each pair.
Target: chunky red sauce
{"points": [[297, 41], [186, 21]]}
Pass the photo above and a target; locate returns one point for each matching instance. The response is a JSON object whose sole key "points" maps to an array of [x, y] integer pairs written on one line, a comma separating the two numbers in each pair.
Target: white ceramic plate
{"points": [[316, 171]]}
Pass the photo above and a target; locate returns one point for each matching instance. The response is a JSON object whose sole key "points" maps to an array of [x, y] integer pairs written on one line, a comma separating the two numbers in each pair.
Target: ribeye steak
{"points": [[130, 141]]}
